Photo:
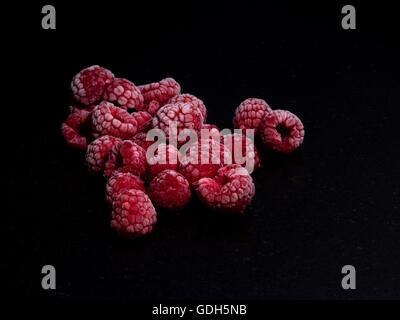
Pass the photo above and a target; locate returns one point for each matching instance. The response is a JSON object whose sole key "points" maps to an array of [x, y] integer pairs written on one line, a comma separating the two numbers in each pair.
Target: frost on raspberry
{"points": [[126, 156], [166, 156], [108, 119], [160, 91], [282, 131], [231, 190], [250, 113], [169, 190], [203, 159], [210, 130], [141, 140], [188, 98], [243, 150], [79, 108], [133, 214], [152, 107], [97, 152], [76, 127], [89, 84], [121, 181], [177, 121], [124, 94]]}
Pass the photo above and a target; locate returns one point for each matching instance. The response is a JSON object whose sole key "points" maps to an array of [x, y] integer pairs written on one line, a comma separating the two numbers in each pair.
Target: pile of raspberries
{"points": [[110, 117]]}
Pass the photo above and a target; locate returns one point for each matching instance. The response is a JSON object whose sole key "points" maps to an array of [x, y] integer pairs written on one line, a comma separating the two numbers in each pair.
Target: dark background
{"points": [[333, 202]]}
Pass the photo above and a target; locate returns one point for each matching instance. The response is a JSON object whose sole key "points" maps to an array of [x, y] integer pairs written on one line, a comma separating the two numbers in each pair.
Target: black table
{"points": [[333, 202]]}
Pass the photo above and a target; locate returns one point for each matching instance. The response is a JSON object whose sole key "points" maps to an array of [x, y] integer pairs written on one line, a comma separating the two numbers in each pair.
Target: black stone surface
{"points": [[333, 202]]}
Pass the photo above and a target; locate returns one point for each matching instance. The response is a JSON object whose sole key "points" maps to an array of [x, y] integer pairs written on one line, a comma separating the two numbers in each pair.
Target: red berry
{"points": [[166, 156], [75, 128], [282, 131], [160, 91], [169, 190], [88, 85], [243, 150], [133, 214], [121, 181], [192, 99], [108, 119], [174, 119], [231, 190], [250, 113], [97, 152], [211, 131], [126, 156], [203, 159], [210, 127], [78, 108], [124, 93], [141, 140], [153, 107]]}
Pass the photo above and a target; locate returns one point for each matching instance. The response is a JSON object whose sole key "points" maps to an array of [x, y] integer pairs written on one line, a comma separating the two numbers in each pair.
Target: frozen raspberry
{"points": [[141, 140], [203, 159], [160, 91], [166, 156], [169, 190], [282, 131], [231, 190], [210, 130], [88, 85], [76, 127], [97, 152], [124, 93], [153, 107], [133, 214], [121, 181], [250, 113], [243, 150], [210, 127], [174, 119], [126, 156], [192, 99], [78, 108], [108, 119]]}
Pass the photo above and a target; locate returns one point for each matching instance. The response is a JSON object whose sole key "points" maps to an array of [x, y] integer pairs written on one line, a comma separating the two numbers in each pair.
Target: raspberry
{"points": [[210, 126], [133, 214], [282, 131], [141, 140], [212, 131], [97, 152], [121, 181], [231, 190], [108, 119], [78, 108], [203, 159], [192, 99], [126, 156], [165, 157], [160, 91], [243, 150], [89, 84], [250, 113], [169, 190], [175, 118], [125, 93], [75, 128], [153, 107]]}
